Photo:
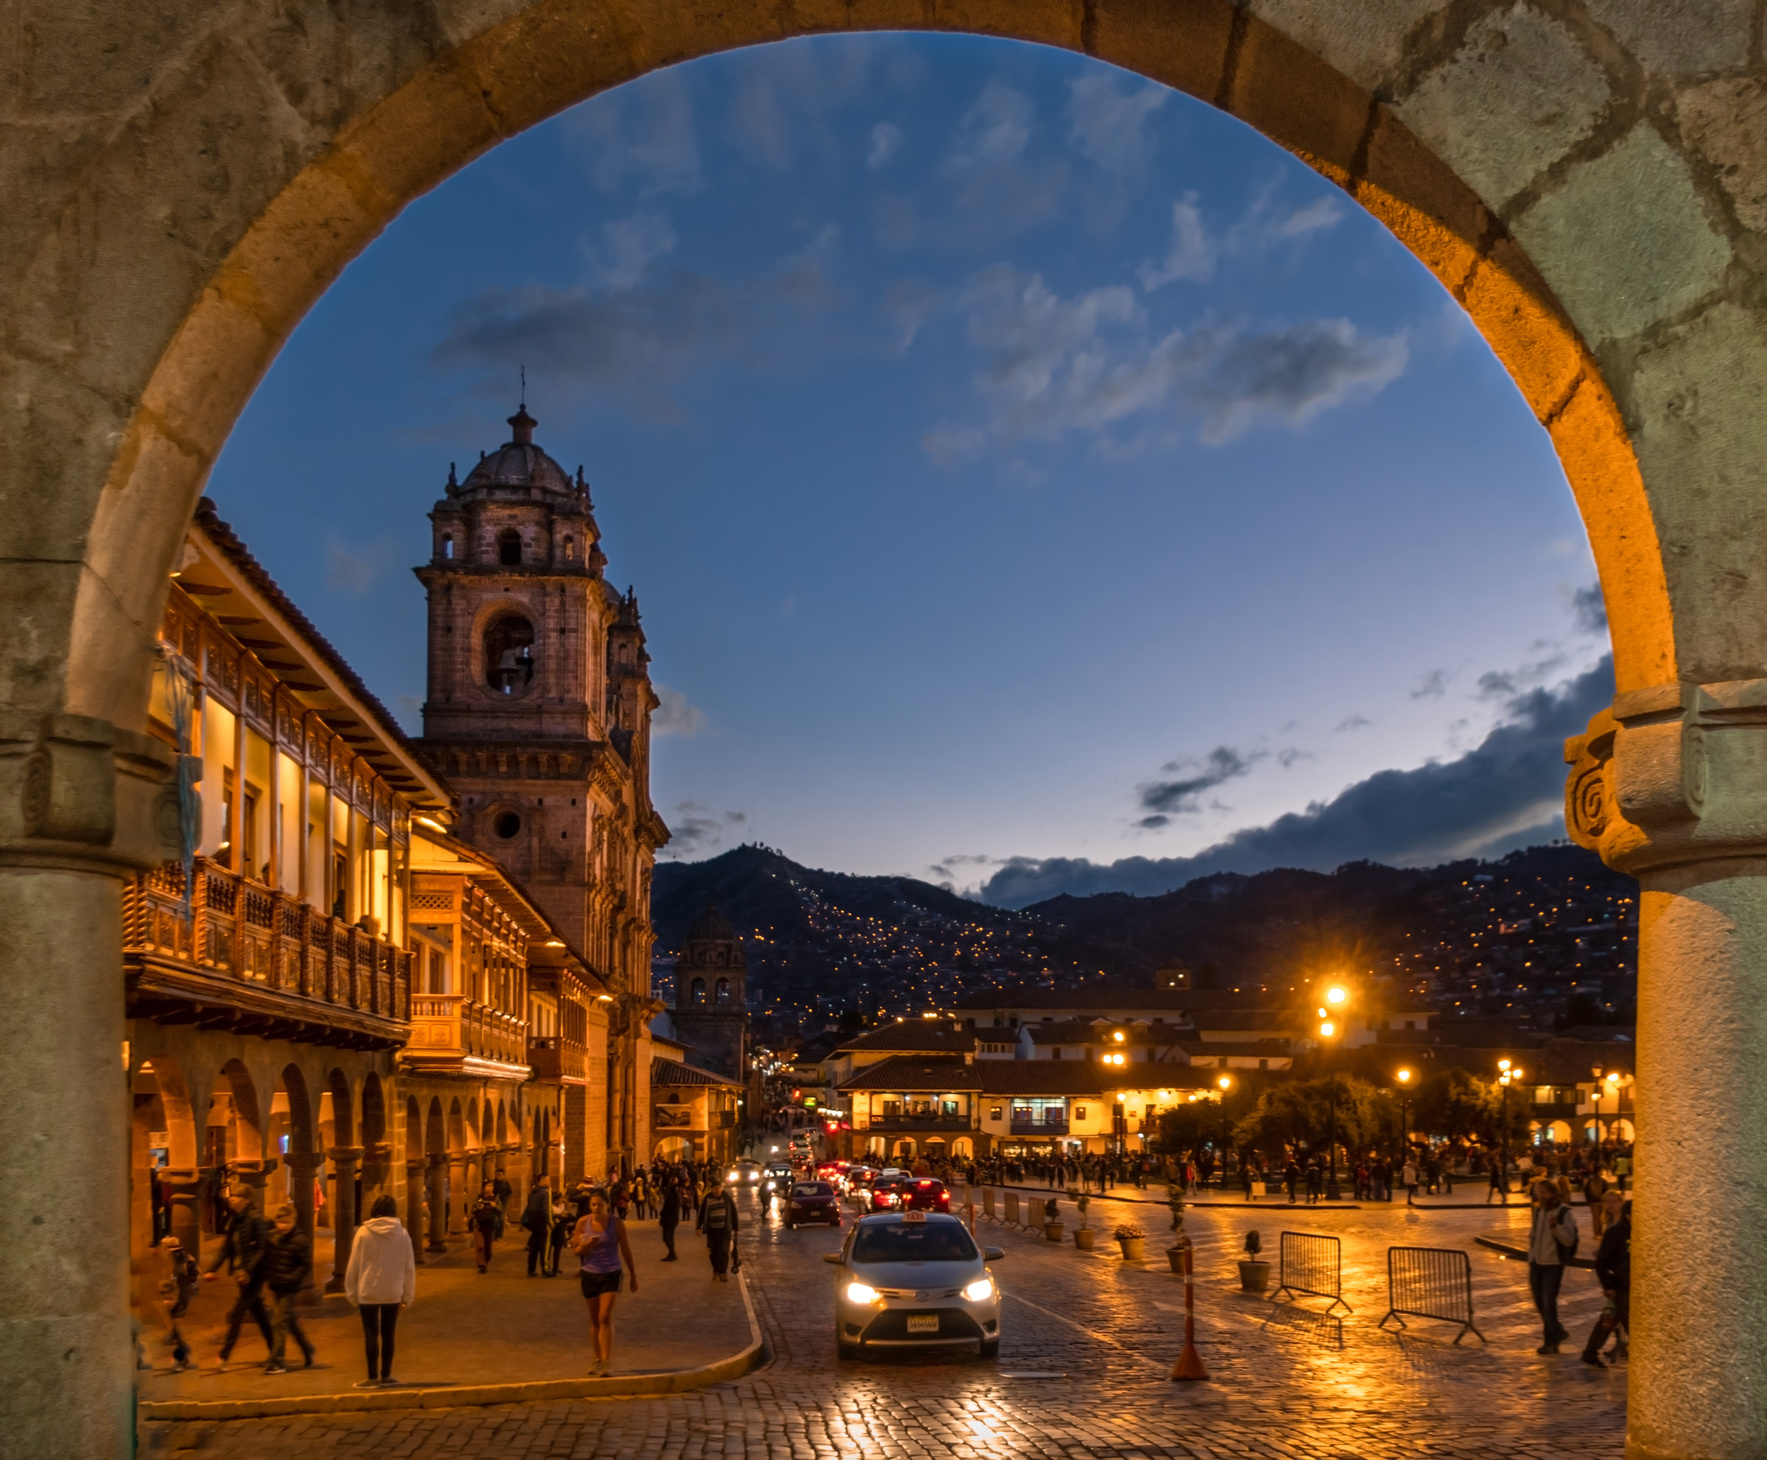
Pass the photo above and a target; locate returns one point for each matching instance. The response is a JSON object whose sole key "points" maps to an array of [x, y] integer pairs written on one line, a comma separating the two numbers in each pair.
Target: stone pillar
{"points": [[343, 1212], [77, 819], [302, 1167], [253, 1176], [457, 1192], [183, 1189], [414, 1206], [437, 1188], [1671, 786]]}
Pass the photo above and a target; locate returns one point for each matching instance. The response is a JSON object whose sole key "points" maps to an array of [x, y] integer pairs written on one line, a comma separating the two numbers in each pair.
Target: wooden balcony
{"points": [[452, 1034], [257, 960], [554, 1058]]}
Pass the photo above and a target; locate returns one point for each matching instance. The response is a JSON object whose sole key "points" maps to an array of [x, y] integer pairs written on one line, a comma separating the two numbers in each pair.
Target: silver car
{"points": [[913, 1278]]}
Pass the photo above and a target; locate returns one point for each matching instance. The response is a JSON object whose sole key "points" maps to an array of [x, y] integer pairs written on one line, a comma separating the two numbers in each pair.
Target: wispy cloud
{"points": [[1266, 223], [1432, 686], [1192, 254], [994, 130], [675, 715], [627, 248], [886, 137], [1089, 362], [351, 571], [695, 829], [1182, 795], [642, 134], [1108, 123]]}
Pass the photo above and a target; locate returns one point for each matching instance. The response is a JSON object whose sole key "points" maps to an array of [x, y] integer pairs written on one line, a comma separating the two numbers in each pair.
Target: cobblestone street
{"points": [[1089, 1342]]}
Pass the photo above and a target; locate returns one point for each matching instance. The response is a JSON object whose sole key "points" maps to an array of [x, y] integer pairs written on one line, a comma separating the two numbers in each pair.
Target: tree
{"points": [[1296, 1115]]}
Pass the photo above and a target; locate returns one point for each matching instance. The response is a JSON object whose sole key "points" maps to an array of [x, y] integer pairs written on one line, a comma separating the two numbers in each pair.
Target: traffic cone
{"points": [[1190, 1362]]}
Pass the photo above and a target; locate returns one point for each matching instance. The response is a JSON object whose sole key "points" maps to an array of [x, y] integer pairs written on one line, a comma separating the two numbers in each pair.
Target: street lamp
{"points": [[1226, 1084], [1335, 998], [1507, 1073], [1404, 1079]]}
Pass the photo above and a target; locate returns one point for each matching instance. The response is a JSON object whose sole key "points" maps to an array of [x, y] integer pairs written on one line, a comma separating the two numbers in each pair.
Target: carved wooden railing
{"points": [[243, 930], [454, 1026], [554, 1057]]}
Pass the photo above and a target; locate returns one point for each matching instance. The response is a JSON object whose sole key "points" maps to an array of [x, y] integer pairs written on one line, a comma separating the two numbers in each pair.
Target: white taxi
{"points": [[913, 1278]]}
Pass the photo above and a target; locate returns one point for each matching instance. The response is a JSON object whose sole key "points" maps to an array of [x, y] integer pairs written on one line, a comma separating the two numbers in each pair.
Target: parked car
{"points": [[812, 1201], [914, 1278]]}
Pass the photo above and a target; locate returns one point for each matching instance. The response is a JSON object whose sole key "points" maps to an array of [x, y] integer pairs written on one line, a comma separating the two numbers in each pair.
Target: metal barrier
{"points": [[988, 1203], [1314, 1265], [1431, 1282], [1012, 1209]]}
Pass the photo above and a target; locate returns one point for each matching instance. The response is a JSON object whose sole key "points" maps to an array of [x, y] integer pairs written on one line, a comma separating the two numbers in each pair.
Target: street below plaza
{"points": [[1087, 1349]]}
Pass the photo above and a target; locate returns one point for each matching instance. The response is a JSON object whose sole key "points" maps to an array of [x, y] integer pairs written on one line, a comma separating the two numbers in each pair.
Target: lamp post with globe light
{"points": [[1225, 1082], [1330, 1030], [1404, 1079], [1506, 1074]]}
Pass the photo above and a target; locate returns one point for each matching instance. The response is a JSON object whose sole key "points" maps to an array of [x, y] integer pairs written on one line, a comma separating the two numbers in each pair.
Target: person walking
{"points": [[288, 1263], [601, 1246], [380, 1280], [537, 1222], [670, 1217], [1613, 1269], [1551, 1244], [1595, 1187], [248, 1236], [564, 1219], [486, 1221], [177, 1287], [717, 1220], [1499, 1182], [1291, 1178]]}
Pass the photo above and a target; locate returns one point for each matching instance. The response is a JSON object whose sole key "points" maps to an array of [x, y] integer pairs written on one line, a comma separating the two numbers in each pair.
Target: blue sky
{"points": [[1015, 461]]}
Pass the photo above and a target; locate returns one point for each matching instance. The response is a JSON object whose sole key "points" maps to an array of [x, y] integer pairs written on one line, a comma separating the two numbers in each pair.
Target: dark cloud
{"points": [[1354, 722], [695, 830], [1183, 795], [1590, 609], [1433, 684], [1506, 793], [1294, 374]]}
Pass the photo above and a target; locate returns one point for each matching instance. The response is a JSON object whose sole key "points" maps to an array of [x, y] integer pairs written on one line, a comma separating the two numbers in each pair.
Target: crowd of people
{"points": [[270, 1260]]}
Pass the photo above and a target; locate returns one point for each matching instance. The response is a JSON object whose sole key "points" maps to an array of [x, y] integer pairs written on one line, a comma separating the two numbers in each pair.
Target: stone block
{"points": [[1367, 40], [1516, 96], [1725, 122], [1295, 99], [1184, 48], [1698, 406], [1625, 241], [1677, 36]]}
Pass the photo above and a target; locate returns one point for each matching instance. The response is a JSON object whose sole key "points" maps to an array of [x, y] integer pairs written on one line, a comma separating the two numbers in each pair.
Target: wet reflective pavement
{"points": [[1087, 1347]]}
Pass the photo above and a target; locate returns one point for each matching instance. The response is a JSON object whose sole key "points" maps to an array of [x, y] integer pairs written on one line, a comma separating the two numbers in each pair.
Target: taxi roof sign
{"points": [[914, 1216]]}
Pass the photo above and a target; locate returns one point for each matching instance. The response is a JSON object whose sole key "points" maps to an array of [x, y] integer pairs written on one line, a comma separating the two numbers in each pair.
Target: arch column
{"points": [[438, 1202], [457, 1191], [344, 1160], [183, 1192], [1671, 787], [415, 1190]]}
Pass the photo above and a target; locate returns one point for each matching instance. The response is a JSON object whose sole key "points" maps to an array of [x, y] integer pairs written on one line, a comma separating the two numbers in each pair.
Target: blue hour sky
{"points": [[1031, 478]]}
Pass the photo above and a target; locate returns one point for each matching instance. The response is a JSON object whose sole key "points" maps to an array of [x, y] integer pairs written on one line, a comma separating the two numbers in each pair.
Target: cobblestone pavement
{"points": [[1088, 1343]]}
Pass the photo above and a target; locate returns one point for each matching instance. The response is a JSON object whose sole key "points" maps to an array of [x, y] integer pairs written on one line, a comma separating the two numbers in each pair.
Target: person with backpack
{"points": [[1613, 1268], [717, 1220], [248, 1238], [288, 1263], [486, 1221], [177, 1287], [1551, 1246], [537, 1223]]}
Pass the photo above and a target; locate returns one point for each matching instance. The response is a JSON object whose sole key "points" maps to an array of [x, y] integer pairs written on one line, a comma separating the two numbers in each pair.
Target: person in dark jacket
{"points": [[243, 1252], [717, 1220], [537, 1223], [486, 1221], [671, 1215], [1613, 1269], [288, 1263]]}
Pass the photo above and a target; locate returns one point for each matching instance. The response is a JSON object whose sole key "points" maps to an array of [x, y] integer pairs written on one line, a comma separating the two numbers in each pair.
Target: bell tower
{"points": [[711, 997], [539, 699]]}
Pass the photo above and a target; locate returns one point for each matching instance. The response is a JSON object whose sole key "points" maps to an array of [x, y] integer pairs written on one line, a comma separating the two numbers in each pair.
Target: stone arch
{"points": [[342, 1107], [136, 345], [374, 1111], [233, 1096], [456, 1126], [470, 1128], [163, 1180]]}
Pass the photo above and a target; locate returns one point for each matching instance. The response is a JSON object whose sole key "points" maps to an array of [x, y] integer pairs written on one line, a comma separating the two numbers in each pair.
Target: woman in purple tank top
{"points": [[600, 1242]]}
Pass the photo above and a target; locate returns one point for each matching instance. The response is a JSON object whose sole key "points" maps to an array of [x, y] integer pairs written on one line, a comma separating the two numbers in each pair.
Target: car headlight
{"points": [[980, 1290], [731, 1176], [859, 1293], [753, 1176]]}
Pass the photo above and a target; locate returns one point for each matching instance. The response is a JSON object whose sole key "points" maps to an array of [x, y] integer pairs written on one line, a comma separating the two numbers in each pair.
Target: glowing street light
{"points": [[1225, 1082], [1337, 996], [1404, 1079]]}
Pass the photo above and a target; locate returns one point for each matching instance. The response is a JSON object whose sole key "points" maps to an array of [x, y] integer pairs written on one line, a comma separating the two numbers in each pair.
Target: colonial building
{"points": [[695, 1114], [711, 995], [268, 976], [538, 719]]}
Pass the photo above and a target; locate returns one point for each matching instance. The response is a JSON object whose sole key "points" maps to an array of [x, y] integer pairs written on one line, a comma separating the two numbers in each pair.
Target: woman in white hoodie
{"points": [[380, 1280]]}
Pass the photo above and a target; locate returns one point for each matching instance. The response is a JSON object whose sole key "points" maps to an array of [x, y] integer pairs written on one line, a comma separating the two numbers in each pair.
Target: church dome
{"points": [[518, 462], [711, 927]]}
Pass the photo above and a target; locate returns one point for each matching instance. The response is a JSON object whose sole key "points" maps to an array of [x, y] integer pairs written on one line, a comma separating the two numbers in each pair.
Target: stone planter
{"points": [[1175, 1256], [1134, 1248], [1052, 1230], [1083, 1239], [1254, 1276]]}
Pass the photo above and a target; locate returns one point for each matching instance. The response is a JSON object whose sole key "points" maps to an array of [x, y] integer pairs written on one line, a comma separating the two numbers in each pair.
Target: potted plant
{"points": [[1254, 1273], [1083, 1237], [1132, 1240], [1052, 1220]]}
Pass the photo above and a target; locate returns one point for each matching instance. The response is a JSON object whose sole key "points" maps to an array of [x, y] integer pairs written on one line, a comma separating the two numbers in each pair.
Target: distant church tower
{"points": [[711, 999], [538, 717]]}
